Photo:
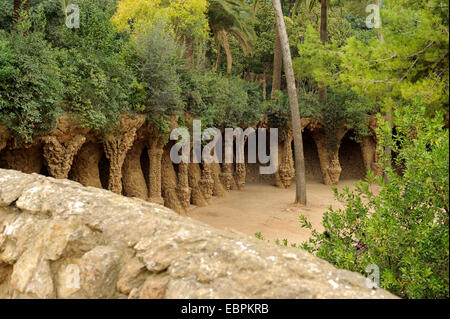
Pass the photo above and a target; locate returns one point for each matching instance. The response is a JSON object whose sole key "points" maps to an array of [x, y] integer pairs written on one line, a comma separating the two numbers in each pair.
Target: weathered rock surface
{"points": [[61, 239]]}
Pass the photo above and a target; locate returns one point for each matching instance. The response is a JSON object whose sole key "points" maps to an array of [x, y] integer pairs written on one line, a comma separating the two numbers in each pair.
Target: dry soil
{"points": [[269, 210]]}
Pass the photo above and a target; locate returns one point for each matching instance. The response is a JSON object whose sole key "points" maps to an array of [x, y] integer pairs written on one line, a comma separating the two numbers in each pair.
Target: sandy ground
{"points": [[269, 210]]}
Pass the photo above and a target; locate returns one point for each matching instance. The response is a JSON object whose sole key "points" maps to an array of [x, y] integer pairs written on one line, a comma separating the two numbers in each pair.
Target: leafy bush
{"points": [[156, 60], [93, 70], [30, 87], [222, 101], [403, 227], [340, 108]]}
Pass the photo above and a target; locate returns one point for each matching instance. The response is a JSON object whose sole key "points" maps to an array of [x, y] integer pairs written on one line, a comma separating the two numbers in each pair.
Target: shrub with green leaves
{"points": [[222, 100], [97, 81], [340, 108], [30, 86], [156, 60], [403, 226]]}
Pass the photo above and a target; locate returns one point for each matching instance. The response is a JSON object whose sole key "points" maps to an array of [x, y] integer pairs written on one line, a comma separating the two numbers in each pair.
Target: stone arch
{"points": [[59, 155], [312, 162], [133, 179], [27, 159], [104, 170], [252, 169], [145, 165], [351, 158], [169, 182], [85, 166]]}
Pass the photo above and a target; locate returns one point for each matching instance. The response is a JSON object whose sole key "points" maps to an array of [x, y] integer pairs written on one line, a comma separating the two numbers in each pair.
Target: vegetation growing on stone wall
{"points": [[30, 85], [403, 228]]}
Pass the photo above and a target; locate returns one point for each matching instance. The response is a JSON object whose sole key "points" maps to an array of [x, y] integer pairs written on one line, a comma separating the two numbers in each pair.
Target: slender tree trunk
{"points": [[300, 196], [226, 45], [218, 51], [323, 39], [380, 35], [277, 65], [264, 85], [387, 149], [19, 5], [323, 21]]}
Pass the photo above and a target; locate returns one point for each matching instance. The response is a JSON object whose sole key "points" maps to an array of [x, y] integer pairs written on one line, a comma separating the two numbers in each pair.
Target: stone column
{"points": [[329, 155], [59, 156], [134, 184], [194, 175], [286, 171], [117, 148], [183, 190], [227, 177], [169, 183], [207, 182]]}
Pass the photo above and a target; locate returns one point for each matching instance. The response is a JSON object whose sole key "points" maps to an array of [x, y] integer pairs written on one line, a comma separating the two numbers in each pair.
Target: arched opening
{"points": [[85, 168], [103, 168], [27, 160], [252, 169], [145, 165], [44, 170], [312, 164], [350, 158]]}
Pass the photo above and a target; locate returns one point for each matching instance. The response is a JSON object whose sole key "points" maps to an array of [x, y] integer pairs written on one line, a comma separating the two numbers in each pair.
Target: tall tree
{"points": [[277, 66], [300, 195], [323, 39], [277, 63], [19, 5], [231, 17]]}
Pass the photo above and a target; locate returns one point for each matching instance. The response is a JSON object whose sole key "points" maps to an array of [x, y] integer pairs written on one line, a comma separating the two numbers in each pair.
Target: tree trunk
{"points": [[323, 21], [16, 12], [380, 35], [323, 39], [218, 51], [277, 65], [226, 45], [387, 149], [293, 101], [19, 5], [264, 86]]}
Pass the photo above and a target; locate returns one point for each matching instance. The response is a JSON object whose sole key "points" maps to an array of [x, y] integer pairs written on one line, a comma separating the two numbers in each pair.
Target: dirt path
{"points": [[269, 210]]}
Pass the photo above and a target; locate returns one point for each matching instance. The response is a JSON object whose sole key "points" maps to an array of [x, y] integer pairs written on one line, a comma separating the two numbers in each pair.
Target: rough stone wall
{"points": [[116, 163], [27, 159], [85, 168], [59, 239]]}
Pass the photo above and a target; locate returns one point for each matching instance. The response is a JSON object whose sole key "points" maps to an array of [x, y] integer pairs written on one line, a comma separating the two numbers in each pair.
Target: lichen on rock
{"points": [[59, 239]]}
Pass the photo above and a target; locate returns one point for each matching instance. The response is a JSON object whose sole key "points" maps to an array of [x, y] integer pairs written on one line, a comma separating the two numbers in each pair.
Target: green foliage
{"points": [[157, 69], [411, 60], [340, 108], [262, 35], [222, 101], [6, 12], [93, 70], [259, 235], [317, 63], [30, 86], [185, 20], [403, 226]]}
